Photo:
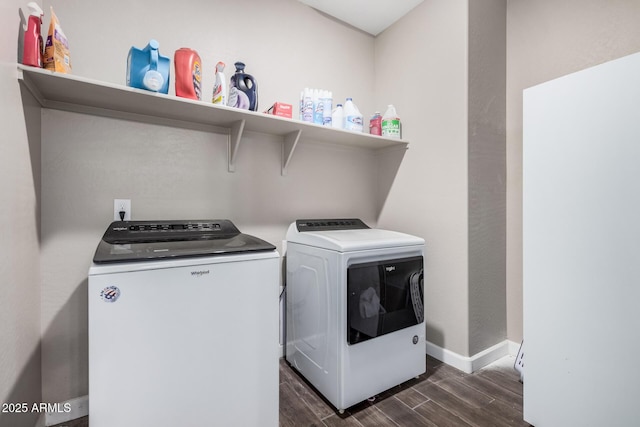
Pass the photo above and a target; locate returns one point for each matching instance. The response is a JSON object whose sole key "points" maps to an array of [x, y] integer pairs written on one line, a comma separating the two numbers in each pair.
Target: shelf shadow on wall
{"points": [[389, 164], [33, 123]]}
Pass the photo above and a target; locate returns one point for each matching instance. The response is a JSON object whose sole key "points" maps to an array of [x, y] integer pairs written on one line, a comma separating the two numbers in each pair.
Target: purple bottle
{"points": [[243, 89]]}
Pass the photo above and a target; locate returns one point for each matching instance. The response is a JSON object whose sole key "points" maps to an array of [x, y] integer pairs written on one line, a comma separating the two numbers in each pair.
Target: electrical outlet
{"points": [[122, 205]]}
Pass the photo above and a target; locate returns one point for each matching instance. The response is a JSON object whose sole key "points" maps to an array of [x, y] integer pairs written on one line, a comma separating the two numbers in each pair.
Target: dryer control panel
{"points": [[330, 224]]}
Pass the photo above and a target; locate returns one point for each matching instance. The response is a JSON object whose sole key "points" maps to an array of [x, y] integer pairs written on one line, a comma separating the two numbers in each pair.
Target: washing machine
{"points": [[183, 326], [354, 308]]}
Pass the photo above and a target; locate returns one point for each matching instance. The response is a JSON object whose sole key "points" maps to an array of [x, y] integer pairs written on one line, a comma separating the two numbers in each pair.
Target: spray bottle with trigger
{"points": [[33, 44], [220, 86]]}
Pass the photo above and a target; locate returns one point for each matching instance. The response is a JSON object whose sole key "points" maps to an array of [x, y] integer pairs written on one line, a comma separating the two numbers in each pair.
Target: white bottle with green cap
{"points": [[391, 123]]}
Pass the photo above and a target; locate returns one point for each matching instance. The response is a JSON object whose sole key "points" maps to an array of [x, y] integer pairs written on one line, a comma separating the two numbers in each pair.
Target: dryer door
{"points": [[384, 297]]}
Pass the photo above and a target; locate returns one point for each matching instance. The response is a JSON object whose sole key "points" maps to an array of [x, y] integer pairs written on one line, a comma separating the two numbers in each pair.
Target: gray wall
{"points": [[548, 39], [19, 266], [176, 173], [449, 77], [422, 68]]}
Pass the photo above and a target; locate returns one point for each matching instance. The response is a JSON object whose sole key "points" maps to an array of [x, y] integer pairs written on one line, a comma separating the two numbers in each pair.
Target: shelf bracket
{"points": [[26, 81], [288, 147], [235, 136]]}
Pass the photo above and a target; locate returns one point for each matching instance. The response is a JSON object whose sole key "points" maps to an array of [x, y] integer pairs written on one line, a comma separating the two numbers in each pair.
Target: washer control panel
{"points": [[122, 232]]}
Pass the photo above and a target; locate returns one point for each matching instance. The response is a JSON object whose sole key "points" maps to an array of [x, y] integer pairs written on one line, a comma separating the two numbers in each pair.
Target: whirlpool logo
{"points": [[390, 268], [199, 273]]}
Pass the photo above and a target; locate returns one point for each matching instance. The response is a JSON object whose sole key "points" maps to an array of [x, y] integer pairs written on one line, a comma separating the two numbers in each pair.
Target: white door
{"points": [[581, 230]]}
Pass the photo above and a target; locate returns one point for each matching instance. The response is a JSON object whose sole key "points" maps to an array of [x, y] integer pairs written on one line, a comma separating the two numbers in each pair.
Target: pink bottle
{"points": [[375, 124], [33, 44]]}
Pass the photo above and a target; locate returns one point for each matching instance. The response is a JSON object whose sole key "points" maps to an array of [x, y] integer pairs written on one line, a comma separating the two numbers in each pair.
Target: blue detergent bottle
{"points": [[147, 69], [243, 89]]}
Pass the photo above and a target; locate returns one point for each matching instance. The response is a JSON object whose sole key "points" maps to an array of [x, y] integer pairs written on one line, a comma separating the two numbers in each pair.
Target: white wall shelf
{"points": [[81, 95]]}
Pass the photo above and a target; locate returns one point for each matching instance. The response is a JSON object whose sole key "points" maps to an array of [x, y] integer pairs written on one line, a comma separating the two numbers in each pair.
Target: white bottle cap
{"points": [[153, 80]]}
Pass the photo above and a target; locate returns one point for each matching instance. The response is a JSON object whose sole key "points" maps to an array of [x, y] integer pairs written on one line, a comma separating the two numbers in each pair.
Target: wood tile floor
{"points": [[442, 397]]}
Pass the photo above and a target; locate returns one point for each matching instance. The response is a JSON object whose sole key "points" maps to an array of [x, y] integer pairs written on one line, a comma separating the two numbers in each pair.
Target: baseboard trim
{"points": [[473, 363], [78, 408]]}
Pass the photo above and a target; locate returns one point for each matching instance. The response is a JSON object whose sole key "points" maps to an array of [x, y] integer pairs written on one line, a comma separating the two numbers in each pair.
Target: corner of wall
{"points": [[487, 174], [470, 364]]}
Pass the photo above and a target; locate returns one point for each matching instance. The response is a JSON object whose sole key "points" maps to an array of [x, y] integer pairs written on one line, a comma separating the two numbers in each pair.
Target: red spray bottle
{"points": [[33, 44]]}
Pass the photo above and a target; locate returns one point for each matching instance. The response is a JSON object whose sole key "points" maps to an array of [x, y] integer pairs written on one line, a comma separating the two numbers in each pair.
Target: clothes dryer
{"points": [[354, 308]]}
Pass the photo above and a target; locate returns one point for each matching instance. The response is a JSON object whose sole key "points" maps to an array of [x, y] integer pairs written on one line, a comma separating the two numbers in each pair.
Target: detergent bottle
{"points": [[326, 110], [243, 90], [220, 86], [33, 44], [391, 126], [337, 117], [318, 106], [375, 124], [307, 105], [188, 73], [147, 69], [352, 116]]}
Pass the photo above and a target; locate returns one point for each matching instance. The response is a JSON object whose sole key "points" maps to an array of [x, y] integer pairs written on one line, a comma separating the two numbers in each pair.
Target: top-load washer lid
{"points": [[147, 240], [346, 235]]}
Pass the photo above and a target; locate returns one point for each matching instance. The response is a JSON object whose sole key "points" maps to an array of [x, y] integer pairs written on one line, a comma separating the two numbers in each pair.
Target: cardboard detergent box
{"points": [[280, 109]]}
